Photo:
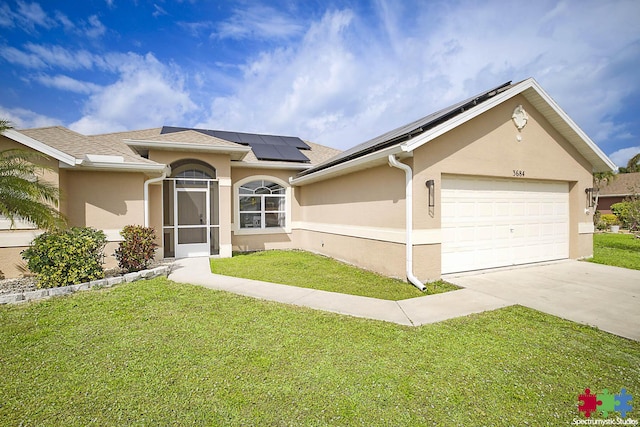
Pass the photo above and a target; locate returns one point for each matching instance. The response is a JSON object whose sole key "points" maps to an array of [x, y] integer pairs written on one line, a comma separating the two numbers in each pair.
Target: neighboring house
{"points": [[619, 188], [496, 180]]}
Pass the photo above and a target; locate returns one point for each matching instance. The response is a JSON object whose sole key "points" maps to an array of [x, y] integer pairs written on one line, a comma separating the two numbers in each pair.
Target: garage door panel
{"points": [[497, 222]]}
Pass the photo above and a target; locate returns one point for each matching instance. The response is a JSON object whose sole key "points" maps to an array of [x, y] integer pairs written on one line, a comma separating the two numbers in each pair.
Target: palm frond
{"points": [[23, 195]]}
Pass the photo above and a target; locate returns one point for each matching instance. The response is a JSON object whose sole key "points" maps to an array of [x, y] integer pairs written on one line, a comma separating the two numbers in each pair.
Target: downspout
{"points": [[165, 172], [409, 219]]}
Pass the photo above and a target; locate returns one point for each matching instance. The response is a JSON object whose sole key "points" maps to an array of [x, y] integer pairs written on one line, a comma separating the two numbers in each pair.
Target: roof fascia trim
{"points": [[585, 138], [600, 195], [122, 167], [342, 168], [41, 147], [185, 146], [270, 165]]}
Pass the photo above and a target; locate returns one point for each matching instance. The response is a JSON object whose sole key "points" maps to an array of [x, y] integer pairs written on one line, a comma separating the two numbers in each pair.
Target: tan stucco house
{"points": [[496, 180]]}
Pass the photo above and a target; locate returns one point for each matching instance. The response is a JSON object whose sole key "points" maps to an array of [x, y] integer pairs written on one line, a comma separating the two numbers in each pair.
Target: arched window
{"points": [[194, 169], [262, 204]]}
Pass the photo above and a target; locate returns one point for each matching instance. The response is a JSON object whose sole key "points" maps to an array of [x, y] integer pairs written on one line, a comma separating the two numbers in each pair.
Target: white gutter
{"points": [[409, 218], [369, 160], [270, 165], [165, 172]]}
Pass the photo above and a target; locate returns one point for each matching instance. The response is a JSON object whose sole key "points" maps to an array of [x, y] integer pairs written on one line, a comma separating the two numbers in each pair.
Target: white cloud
{"points": [[159, 11], [22, 118], [350, 78], [146, 94], [40, 56], [94, 28], [19, 57], [621, 157], [259, 22], [30, 15], [68, 84], [195, 29]]}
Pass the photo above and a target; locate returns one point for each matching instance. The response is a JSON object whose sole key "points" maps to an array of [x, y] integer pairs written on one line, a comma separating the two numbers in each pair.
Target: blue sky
{"points": [[333, 72]]}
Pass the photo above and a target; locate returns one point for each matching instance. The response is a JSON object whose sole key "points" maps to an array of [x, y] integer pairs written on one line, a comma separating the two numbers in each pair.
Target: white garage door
{"points": [[490, 223]]}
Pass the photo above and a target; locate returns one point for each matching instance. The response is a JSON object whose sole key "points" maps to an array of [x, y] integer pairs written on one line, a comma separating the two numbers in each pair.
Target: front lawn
{"points": [[160, 353], [620, 250], [307, 270]]}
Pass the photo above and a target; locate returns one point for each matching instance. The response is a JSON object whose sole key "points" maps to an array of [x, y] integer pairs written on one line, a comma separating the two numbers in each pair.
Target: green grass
{"points": [[160, 353], [620, 250], [307, 270]]}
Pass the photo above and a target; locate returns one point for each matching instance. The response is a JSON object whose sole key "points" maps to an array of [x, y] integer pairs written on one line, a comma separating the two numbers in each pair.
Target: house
{"points": [[623, 185], [496, 180]]}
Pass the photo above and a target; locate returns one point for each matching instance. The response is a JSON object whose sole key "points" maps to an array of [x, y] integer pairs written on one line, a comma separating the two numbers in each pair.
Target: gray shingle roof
{"points": [[78, 145], [113, 144]]}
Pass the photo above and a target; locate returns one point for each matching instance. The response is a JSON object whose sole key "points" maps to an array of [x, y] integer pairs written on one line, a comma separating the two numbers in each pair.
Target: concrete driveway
{"points": [[593, 294]]}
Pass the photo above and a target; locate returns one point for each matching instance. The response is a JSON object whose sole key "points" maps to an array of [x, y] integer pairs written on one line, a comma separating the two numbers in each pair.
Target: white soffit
{"points": [[567, 127]]}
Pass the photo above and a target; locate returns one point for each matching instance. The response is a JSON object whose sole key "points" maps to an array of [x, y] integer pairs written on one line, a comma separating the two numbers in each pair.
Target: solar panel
{"points": [[229, 136], [278, 152], [266, 152], [249, 138], [291, 154], [296, 142], [265, 147], [273, 140]]}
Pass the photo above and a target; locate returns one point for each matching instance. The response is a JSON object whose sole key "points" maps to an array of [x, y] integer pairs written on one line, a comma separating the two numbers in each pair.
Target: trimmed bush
{"points": [[138, 248], [609, 219], [66, 257]]}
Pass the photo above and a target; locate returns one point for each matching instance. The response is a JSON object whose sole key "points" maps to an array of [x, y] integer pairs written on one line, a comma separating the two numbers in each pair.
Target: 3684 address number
{"points": [[518, 173]]}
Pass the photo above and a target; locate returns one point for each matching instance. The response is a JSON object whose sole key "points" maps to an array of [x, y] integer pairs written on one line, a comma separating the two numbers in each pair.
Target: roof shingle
{"points": [[622, 184]]}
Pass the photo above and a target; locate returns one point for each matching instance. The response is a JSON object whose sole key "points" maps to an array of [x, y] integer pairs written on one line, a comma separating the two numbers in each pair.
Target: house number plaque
{"points": [[518, 173]]}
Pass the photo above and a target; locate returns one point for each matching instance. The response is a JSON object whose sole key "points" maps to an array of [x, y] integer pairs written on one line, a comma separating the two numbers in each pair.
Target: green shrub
{"points": [[66, 257], [629, 212], [138, 248], [609, 219]]}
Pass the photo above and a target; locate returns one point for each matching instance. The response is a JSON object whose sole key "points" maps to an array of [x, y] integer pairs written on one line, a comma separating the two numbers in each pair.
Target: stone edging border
{"points": [[108, 282]]}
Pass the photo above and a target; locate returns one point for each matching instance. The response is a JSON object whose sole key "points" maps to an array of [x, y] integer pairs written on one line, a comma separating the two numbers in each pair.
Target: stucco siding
{"points": [[367, 198], [104, 200], [488, 146], [382, 257]]}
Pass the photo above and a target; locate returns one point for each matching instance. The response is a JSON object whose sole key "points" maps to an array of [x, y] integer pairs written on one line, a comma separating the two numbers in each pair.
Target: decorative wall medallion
{"points": [[519, 117]]}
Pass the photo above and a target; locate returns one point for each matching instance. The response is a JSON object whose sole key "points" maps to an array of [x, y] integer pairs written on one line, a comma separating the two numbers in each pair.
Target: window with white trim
{"points": [[262, 205]]}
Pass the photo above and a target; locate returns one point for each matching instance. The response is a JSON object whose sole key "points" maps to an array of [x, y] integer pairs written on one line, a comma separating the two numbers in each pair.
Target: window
{"points": [[262, 204]]}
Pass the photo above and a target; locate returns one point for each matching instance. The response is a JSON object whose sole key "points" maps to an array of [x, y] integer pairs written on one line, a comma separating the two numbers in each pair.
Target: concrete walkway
{"points": [[412, 312], [587, 293]]}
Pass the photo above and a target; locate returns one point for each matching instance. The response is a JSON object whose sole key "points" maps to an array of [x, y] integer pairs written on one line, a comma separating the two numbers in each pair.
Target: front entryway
{"points": [[190, 207], [492, 222], [193, 217]]}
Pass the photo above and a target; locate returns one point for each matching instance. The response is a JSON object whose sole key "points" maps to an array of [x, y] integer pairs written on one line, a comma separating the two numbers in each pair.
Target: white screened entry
{"points": [[489, 223]]}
